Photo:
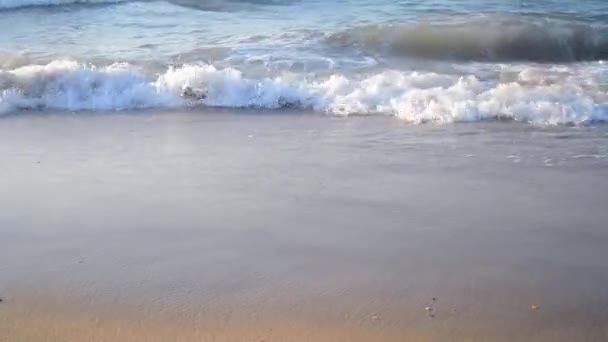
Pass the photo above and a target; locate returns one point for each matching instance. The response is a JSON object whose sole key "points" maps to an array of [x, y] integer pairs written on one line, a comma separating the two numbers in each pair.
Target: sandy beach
{"points": [[282, 170], [291, 226]]}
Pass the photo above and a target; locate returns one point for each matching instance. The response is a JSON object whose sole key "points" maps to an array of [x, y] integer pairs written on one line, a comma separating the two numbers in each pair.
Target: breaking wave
{"points": [[482, 39], [529, 95]]}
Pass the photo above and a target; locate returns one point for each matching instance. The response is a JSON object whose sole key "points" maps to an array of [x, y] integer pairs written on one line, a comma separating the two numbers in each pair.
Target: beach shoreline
{"points": [[257, 226]]}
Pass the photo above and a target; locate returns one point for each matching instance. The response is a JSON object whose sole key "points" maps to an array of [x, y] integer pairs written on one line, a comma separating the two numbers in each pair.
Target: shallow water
{"points": [[442, 61]]}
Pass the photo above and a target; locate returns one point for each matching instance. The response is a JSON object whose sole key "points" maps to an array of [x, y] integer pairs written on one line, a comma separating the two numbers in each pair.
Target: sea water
{"points": [[439, 61]]}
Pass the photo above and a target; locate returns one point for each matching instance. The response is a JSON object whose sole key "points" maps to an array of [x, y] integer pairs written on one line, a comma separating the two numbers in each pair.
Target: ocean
{"points": [[436, 61]]}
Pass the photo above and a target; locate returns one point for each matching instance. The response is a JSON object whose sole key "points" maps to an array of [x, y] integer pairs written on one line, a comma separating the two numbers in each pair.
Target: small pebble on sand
{"points": [[428, 308], [534, 307]]}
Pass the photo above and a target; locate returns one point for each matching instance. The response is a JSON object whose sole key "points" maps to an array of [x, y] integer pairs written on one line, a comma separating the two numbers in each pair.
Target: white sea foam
{"points": [[562, 96]]}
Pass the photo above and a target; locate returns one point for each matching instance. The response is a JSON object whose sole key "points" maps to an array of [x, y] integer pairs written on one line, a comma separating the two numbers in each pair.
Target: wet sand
{"points": [[252, 226]]}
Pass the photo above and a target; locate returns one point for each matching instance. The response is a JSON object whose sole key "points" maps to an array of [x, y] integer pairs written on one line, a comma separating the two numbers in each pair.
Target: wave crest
{"points": [[529, 95], [482, 39]]}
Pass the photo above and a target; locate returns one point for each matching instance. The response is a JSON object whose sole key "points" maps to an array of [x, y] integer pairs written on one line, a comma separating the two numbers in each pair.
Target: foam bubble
{"points": [[539, 95], [73, 86]]}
